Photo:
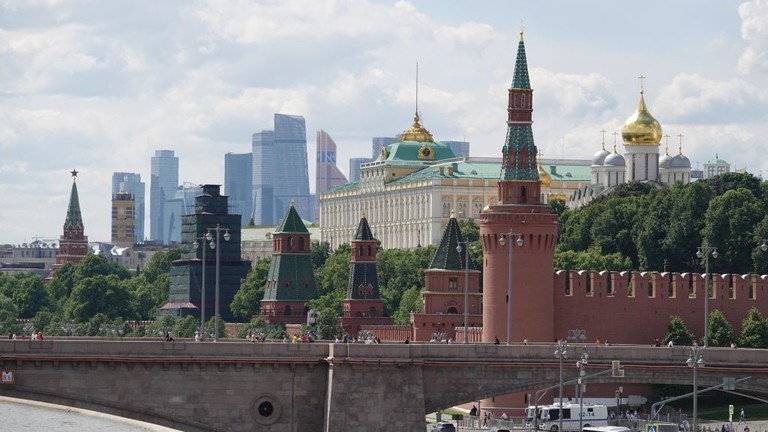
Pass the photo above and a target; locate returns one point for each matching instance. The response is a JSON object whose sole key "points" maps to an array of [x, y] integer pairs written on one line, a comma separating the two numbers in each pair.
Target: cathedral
{"points": [[641, 161]]}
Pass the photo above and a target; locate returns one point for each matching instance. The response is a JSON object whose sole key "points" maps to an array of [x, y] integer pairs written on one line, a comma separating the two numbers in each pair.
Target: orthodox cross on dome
{"points": [[602, 131], [74, 173], [666, 144], [680, 143], [641, 78], [615, 134]]}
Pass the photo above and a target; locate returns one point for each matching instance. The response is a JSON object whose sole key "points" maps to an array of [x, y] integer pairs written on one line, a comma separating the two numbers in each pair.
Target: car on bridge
{"points": [[444, 427]]}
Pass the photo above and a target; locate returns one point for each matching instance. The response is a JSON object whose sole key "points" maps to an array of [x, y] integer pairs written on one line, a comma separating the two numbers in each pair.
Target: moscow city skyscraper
{"points": [[238, 184], [281, 171], [327, 174], [163, 184], [131, 183]]}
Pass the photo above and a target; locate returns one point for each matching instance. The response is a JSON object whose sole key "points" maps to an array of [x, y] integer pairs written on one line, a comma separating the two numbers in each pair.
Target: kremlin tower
{"points": [[518, 292], [73, 245]]}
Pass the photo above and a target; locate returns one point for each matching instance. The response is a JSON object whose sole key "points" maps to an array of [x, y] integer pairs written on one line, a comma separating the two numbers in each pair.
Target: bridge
{"points": [[320, 387]]}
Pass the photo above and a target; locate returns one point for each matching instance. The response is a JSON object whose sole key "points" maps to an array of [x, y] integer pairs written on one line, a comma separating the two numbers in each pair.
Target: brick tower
{"points": [[73, 244], [529, 311], [363, 304], [291, 280]]}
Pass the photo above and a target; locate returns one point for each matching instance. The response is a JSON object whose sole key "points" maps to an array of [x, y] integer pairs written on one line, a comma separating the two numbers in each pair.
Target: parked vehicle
{"points": [[549, 416], [606, 429], [444, 427]]}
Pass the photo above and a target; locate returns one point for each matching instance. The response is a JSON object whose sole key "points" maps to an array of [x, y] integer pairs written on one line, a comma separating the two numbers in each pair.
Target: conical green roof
{"points": [[447, 257], [74, 218], [291, 223], [521, 80]]}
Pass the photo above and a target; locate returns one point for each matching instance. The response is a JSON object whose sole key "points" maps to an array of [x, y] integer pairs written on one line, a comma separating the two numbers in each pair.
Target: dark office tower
{"points": [[238, 184], [379, 142], [162, 186], [460, 148], [131, 183], [280, 170], [327, 173]]}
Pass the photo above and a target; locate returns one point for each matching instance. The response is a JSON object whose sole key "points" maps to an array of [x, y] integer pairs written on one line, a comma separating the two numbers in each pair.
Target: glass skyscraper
{"points": [[238, 184], [162, 186], [132, 184], [281, 171]]}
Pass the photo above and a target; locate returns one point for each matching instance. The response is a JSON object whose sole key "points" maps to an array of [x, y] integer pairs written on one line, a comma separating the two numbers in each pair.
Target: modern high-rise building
{"points": [[180, 203], [238, 184], [377, 143], [131, 183], [459, 148], [123, 219], [281, 170], [327, 173], [163, 184], [354, 168]]}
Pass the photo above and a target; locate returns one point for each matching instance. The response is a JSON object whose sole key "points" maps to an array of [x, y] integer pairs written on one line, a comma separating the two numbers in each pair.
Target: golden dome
{"points": [[544, 178], [641, 128], [416, 132]]}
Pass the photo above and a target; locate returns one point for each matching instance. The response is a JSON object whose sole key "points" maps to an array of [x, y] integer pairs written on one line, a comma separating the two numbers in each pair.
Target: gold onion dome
{"points": [[641, 128], [416, 132], [544, 178]]}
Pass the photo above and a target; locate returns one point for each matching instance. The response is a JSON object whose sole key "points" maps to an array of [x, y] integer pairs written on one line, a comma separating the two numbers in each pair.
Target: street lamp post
{"points": [[466, 287], [582, 365], [215, 245], [706, 251], [205, 239], [561, 352], [695, 361], [519, 242]]}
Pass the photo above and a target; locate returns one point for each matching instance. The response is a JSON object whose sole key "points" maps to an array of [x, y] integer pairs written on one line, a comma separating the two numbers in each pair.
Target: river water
{"points": [[18, 415]]}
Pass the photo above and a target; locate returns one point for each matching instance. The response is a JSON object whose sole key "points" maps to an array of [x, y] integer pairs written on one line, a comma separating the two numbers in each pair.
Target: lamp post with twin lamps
{"points": [[561, 352], [706, 251], [695, 361], [206, 239], [519, 242], [582, 365], [466, 286]]}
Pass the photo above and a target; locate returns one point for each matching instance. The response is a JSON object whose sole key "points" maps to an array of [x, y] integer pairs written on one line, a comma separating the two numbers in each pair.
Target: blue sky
{"points": [[99, 86]]}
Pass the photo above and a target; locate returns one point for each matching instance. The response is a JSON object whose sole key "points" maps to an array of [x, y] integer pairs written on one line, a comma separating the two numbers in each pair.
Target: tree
{"points": [[247, 300], [186, 327], [97, 265], [400, 269], [328, 325], [9, 314], [677, 332], [410, 302], [30, 296], [754, 330], [720, 330], [320, 252], [728, 225], [591, 260], [100, 295]]}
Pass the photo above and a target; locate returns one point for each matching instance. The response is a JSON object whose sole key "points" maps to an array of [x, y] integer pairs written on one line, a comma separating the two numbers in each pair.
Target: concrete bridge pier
{"points": [[373, 394]]}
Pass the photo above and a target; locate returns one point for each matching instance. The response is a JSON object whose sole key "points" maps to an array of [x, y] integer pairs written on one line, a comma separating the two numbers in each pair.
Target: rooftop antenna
{"points": [[417, 87]]}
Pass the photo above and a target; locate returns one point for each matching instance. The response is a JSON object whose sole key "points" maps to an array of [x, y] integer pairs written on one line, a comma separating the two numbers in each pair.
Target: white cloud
{"points": [[691, 98], [754, 30]]}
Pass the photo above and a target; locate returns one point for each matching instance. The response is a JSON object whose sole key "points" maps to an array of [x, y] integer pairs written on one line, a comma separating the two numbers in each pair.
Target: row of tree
{"points": [[655, 228], [754, 331]]}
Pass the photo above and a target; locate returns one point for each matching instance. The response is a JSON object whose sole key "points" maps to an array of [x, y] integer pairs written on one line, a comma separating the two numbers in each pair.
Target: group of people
{"points": [[38, 335]]}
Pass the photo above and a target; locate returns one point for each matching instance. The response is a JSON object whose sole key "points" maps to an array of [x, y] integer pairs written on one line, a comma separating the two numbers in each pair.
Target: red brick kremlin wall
{"points": [[635, 307]]}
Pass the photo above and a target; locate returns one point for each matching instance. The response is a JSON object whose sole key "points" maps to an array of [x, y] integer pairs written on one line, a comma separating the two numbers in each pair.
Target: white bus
{"points": [[549, 416]]}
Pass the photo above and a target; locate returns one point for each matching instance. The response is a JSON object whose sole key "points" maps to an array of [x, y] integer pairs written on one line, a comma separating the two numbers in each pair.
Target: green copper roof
{"points": [[521, 80], [291, 223], [291, 277], [418, 151], [447, 257], [74, 218], [520, 137]]}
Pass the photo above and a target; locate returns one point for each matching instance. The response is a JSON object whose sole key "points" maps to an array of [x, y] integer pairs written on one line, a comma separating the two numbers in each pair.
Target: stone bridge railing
{"points": [[276, 387]]}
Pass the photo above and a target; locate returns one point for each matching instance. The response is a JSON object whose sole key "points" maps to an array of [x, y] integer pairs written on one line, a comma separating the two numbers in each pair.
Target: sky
{"points": [[98, 86]]}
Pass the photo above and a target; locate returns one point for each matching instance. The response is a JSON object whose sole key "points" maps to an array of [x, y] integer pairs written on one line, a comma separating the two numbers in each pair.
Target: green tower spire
{"points": [[521, 80], [74, 218]]}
